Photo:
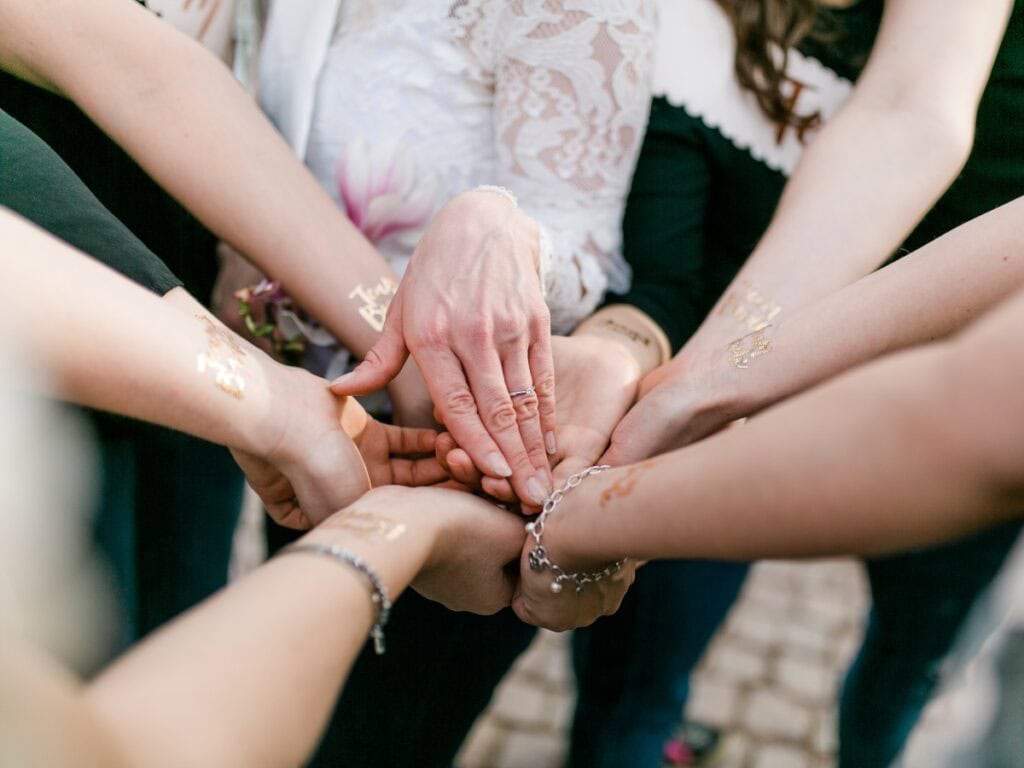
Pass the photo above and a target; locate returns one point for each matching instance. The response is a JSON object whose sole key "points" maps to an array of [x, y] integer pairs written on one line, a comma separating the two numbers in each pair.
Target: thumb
{"points": [[381, 364]]}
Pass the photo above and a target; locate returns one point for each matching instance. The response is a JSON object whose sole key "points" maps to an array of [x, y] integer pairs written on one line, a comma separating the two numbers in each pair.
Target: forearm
{"points": [[177, 110], [633, 330], [915, 449], [111, 345], [271, 652], [925, 296]]}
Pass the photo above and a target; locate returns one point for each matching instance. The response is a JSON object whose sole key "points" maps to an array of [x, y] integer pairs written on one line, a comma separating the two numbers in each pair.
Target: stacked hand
{"points": [[471, 312], [596, 385], [330, 453]]}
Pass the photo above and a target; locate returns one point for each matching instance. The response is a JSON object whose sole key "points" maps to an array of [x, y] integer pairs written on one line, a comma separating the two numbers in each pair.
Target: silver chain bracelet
{"points": [[538, 557], [378, 592]]}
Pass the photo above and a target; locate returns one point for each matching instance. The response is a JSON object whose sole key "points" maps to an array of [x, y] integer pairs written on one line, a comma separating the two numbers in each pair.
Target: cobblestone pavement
{"points": [[769, 679]]}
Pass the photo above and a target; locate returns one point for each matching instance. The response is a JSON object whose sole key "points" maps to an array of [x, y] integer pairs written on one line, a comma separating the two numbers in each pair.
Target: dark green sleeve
{"points": [[35, 183], [663, 226]]}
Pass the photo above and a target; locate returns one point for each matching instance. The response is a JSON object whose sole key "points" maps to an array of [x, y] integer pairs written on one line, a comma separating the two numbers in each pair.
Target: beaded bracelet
{"points": [[378, 592], [538, 556]]}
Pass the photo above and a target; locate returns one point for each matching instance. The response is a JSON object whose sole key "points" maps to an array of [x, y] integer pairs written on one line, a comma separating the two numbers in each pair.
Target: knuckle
{"points": [[545, 385], [525, 407], [500, 416], [478, 334], [459, 402]]}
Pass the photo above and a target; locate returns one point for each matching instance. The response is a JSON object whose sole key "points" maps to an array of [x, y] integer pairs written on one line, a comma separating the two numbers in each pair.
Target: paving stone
{"points": [[522, 702], [808, 641], [531, 750], [780, 756], [713, 701], [729, 660], [773, 716], [482, 746], [814, 681], [758, 626], [735, 751], [825, 740]]}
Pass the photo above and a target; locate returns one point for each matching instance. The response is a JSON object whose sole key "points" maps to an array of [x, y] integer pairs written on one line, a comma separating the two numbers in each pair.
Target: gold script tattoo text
{"points": [[751, 307], [223, 356], [624, 485], [375, 301], [747, 349], [368, 526]]}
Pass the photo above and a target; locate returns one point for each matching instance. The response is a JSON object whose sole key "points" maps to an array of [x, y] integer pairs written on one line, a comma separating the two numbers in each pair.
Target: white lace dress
{"points": [[398, 105]]}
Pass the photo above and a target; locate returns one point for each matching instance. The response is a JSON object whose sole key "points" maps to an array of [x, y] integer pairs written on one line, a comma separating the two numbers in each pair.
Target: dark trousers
{"points": [[633, 668], [165, 521], [414, 706], [920, 601]]}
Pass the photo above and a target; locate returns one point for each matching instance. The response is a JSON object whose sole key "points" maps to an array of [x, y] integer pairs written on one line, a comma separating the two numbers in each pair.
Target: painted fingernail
{"points": [[549, 442], [535, 491], [498, 466]]}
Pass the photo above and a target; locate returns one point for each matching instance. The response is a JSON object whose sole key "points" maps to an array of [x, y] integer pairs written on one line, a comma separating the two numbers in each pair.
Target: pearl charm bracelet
{"points": [[538, 556]]}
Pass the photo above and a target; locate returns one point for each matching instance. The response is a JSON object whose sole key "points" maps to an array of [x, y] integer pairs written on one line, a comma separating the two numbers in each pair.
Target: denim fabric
{"points": [[920, 601], [633, 668]]}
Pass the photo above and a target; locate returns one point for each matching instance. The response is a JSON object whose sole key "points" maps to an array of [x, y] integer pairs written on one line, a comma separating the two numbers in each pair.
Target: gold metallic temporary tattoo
{"points": [[223, 356], [375, 301], [368, 526], [748, 305], [624, 485], [747, 349], [623, 330]]}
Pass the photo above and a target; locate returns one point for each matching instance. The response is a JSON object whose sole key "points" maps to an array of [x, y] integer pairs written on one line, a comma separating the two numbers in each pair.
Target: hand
{"points": [[410, 400], [596, 382], [471, 312], [536, 604], [236, 273], [680, 402], [316, 466], [472, 561]]}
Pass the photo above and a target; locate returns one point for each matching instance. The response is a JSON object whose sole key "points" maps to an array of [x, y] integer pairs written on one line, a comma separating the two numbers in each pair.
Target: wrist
{"points": [[631, 330]]}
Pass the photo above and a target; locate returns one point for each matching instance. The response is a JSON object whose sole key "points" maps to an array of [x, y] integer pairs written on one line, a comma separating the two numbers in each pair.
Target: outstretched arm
{"points": [[247, 679], [177, 110], [912, 450], [923, 297], [113, 346]]}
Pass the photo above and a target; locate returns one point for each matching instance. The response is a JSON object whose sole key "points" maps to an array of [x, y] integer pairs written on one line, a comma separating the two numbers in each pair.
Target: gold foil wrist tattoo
{"points": [[223, 356], [376, 300], [624, 330], [751, 307], [747, 349], [368, 526]]}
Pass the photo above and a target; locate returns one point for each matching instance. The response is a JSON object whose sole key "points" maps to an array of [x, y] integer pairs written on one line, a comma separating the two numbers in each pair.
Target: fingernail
{"points": [[498, 466], [342, 379], [535, 491], [549, 441]]}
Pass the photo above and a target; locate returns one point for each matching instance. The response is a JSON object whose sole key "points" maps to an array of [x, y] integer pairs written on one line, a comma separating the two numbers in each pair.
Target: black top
{"points": [[37, 184], [706, 187], [166, 228]]}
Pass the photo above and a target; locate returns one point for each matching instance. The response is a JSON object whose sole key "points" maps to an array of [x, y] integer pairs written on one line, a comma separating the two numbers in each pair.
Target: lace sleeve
{"points": [[571, 100]]}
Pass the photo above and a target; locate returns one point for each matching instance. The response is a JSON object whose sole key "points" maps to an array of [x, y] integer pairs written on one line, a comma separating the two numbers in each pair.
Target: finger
{"points": [[517, 379], [382, 363], [499, 417], [288, 514], [409, 441], [444, 445], [628, 444], [499, 488], [464, 470], [416, 472], [542, 371], [457, 410]]}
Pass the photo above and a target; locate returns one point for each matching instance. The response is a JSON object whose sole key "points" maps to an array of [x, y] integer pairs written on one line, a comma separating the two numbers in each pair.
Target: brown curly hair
{"points": [[766, 30]]}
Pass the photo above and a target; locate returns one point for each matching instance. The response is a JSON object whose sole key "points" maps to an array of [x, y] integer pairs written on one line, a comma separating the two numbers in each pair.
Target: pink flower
{"points": [[383, 190]]}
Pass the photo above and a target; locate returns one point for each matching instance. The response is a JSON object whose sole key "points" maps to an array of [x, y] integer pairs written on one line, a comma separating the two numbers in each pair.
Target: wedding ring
{"points": [[520, 392]]}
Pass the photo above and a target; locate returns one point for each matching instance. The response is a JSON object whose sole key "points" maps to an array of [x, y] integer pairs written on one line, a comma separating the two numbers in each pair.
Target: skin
{"points": [[873, 462], [186, 676], [196, 132], [305, 460], [885, 158]]}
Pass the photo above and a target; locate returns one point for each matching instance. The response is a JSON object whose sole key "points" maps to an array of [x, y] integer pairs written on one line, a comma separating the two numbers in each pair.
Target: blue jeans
{"points": [[633, 668], [920, 601]]}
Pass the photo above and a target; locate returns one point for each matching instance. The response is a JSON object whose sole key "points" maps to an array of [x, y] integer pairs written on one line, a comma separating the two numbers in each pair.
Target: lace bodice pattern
{"points": [[413, 102]]}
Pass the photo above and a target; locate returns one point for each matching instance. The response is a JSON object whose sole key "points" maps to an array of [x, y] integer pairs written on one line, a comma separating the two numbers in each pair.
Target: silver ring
{"points": [[520, 392]]}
